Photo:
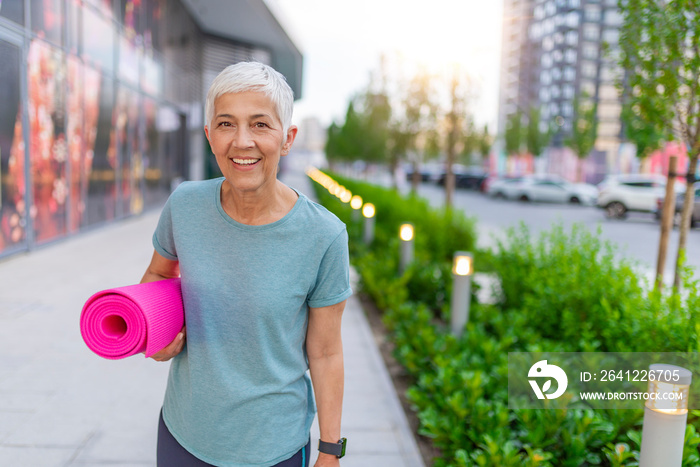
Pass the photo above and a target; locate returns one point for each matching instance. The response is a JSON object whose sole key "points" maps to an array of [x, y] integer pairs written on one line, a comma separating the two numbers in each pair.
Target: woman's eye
{"points": [[261, 125]]}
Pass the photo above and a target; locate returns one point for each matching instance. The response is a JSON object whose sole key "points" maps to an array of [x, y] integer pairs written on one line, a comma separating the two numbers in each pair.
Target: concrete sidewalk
{"points": [[61, 405]]}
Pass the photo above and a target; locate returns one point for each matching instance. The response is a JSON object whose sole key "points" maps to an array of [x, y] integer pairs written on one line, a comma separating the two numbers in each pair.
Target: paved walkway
{"points": [[60, 405]]}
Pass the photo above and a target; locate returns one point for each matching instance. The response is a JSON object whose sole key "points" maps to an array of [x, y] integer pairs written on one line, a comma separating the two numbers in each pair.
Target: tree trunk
{"points": [[393, 166], [667, 214], [685, 219], [449, 178], [579, 171], [415, 177]]}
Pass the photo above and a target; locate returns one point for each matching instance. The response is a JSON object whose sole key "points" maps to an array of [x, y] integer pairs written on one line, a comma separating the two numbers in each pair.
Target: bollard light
{"points": [[356, 204], [665, 416], [368, 211], [345, 196], [462, 270], [406, 252]]}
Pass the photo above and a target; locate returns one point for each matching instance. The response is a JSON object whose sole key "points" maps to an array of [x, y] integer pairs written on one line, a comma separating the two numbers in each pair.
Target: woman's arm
{"points": [[162, 268], [324, 348]]}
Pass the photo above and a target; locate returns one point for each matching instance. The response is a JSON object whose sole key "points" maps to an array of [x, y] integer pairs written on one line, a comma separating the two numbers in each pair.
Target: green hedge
{"points": [[563, 291]]}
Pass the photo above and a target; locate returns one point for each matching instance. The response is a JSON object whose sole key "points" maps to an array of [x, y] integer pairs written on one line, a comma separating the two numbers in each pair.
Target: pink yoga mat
{"points": [[120, 322]]}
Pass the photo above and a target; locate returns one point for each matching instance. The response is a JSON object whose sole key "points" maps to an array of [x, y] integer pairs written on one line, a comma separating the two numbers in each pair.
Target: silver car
{"points": [[680, 199]]}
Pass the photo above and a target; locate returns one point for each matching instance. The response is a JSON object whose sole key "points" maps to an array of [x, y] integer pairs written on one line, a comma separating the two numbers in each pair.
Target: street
{"points": [[637, 236]]}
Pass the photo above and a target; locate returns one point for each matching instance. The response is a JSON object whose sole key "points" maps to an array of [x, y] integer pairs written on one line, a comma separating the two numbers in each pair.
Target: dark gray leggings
{"points": [[172, 454]]}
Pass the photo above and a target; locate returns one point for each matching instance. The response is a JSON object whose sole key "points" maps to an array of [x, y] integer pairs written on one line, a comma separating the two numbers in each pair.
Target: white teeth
{"points": [[245, 161]]}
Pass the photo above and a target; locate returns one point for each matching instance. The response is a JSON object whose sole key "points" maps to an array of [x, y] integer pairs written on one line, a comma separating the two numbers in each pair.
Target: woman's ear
{"points": [[291, 135]]}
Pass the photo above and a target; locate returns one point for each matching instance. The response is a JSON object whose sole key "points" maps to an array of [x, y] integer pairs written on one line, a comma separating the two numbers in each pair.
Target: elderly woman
{"points": [[265, 277]]}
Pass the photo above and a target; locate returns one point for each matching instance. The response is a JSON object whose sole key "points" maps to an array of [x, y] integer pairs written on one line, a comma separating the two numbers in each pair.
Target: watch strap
{"points": [[334, 449]]}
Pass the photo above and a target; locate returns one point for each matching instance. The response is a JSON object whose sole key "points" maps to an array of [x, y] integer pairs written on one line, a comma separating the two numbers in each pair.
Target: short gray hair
{"points": [[257, 77]]}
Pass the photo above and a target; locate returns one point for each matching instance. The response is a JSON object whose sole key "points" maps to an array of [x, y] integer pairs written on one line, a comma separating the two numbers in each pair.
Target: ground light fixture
{"points": [[356, 205], [665, 416], [368, 211], [406, 232], [345, 196], [462, 270]]}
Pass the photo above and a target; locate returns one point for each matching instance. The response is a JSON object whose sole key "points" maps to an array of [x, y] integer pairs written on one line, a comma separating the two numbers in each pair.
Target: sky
{"points": [[342, 42]]}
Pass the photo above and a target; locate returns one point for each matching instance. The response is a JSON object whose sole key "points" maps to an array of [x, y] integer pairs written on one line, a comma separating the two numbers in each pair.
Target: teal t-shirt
{"points": [[239, 394]]}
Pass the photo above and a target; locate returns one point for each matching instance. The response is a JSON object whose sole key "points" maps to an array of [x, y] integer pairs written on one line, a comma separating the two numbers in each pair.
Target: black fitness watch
{"points": [[334, 449]]}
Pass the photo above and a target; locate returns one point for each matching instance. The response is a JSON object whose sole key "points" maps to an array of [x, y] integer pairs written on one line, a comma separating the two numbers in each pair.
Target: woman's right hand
{"points": [[172, 349]]}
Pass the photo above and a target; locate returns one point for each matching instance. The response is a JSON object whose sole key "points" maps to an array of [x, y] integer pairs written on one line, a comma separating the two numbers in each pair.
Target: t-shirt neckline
{"points": [[235, 223]]}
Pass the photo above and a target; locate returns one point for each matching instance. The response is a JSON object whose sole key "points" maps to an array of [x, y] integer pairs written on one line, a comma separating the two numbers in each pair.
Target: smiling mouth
{"points": [[245, 162]]}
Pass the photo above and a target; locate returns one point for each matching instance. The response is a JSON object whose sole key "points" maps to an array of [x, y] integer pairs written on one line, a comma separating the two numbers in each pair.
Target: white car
{"points": [[620, 194], [503, 187], [556, 190]]}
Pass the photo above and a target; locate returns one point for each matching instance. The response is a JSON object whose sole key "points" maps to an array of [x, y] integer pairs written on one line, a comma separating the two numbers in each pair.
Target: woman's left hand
{"points": [[325, 460]]}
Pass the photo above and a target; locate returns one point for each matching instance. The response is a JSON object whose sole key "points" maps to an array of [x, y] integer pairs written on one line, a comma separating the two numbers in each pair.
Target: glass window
{"points": [[592, 14], [75, 136], [588, 69], [568, 91], [101, 142], [103, 6], [590, 51], [613, 18], [152, 77], [13, 211], [611, 36], [608, 92], [98, 40], [47, 19], [572, 19], [546, 60], [572, 38], [128, 61], [74, 18], [13, 10], [569, 73], [127, 113], [591, 32], [539, 12], [47, 140]]}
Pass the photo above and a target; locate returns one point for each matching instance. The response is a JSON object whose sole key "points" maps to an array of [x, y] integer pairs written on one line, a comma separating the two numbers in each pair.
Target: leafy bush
{"points": [[562, 291]]}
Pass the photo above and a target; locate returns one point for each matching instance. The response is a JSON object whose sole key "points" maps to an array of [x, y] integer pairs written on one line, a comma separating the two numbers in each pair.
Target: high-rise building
{"points": [[101, 103], [555, 51]]}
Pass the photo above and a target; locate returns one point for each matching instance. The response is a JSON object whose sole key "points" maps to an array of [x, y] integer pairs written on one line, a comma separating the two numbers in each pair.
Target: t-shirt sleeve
{"points": [[163, 238], [333, 279]]}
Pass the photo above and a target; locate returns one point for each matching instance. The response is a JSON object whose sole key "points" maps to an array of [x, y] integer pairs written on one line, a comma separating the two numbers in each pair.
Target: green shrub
{"points": [[562, 291]]}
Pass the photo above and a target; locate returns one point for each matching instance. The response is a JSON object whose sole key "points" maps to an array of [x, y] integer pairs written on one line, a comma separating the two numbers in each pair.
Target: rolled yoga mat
{"points": [[120, 322]]}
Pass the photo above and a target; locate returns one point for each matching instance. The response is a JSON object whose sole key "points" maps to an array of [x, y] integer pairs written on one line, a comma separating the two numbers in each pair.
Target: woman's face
{"points": [[247, 139]]}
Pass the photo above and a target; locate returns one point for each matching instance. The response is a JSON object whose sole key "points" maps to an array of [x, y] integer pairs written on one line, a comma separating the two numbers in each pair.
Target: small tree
{"points": [[646, 135], [456, 120], [514, 134], [660, 44], [484, 144], [584, 132], [536, 139], [420, 111]]}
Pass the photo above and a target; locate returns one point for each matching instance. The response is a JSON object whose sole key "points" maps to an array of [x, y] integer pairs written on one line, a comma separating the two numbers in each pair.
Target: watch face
{"points": [[343, 445]]}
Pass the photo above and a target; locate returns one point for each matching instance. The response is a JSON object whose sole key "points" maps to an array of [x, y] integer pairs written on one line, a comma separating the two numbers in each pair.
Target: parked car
{"points": [[503, 187], [428, 172], [471, 179], [555, 190], [680, 199], [465, 177], [620, 194]]}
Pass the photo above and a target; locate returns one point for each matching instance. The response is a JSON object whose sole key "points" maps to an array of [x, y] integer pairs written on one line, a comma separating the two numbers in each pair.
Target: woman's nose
{"points": [[243, 138]]}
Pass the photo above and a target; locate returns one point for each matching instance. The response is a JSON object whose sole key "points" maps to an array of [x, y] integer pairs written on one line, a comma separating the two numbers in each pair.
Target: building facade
{"points": [[555, 51], [102, 103]]}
